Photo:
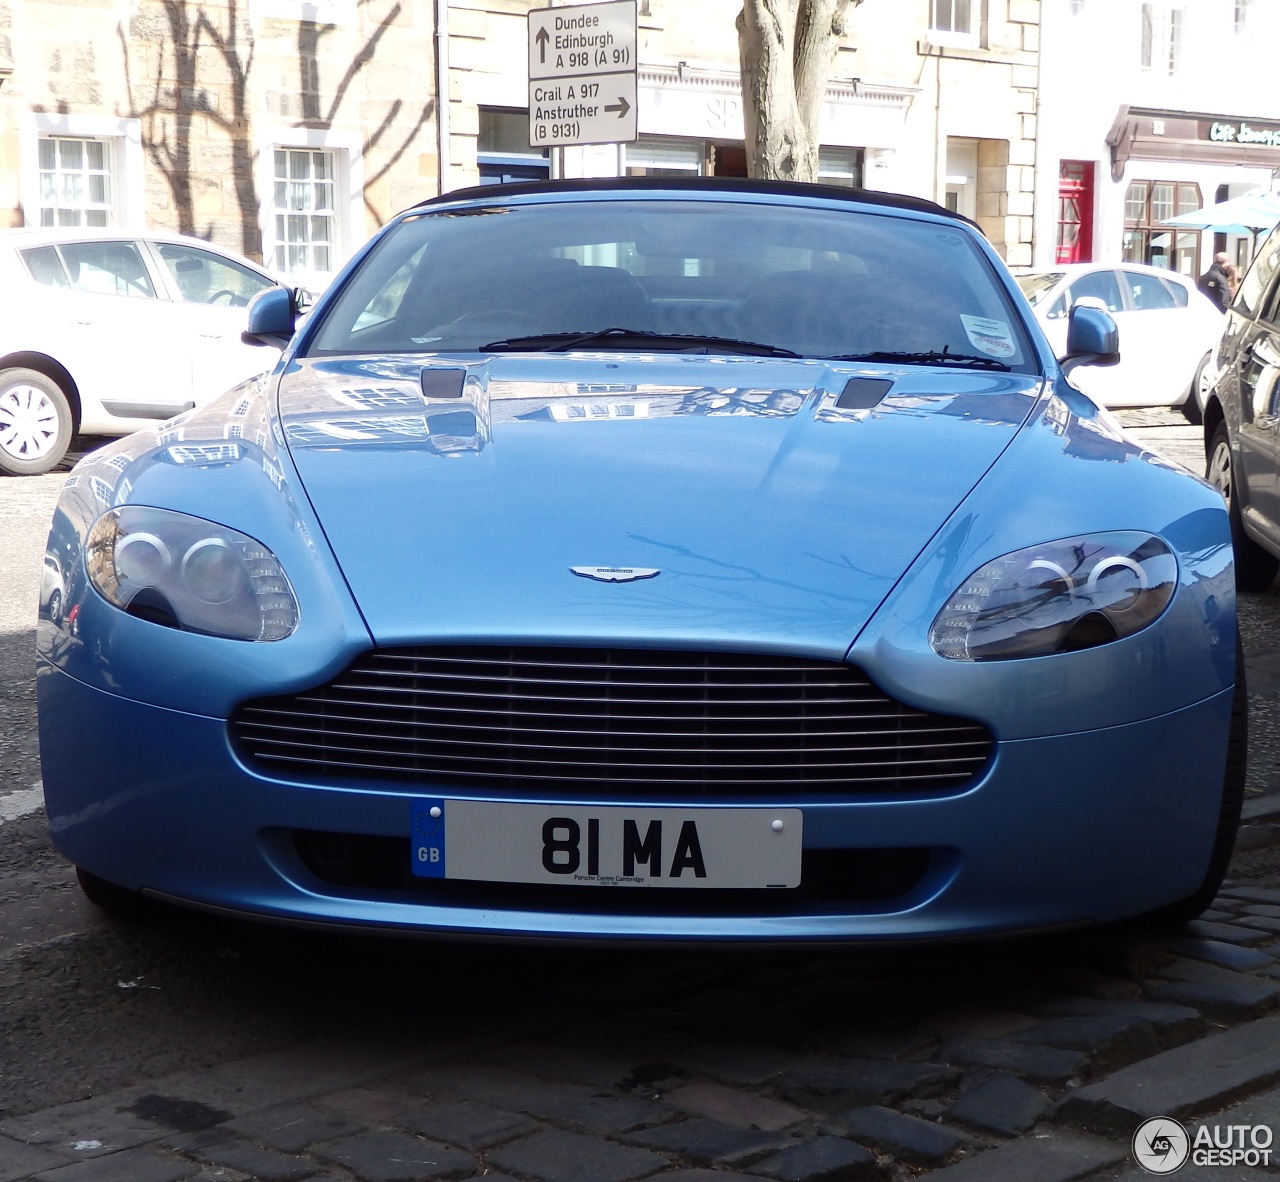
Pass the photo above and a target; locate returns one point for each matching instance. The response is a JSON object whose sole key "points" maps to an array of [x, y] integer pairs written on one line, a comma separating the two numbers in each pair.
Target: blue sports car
{"points": [[649, 559]]}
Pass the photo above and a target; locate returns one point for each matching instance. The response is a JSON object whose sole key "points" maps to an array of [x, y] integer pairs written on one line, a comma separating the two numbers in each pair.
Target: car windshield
{"points": [[677, 275], [1038, 285]]}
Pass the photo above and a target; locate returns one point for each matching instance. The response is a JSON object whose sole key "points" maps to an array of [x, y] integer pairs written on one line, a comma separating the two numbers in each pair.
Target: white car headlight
{"points": [[1059, 597], [187, 573]]}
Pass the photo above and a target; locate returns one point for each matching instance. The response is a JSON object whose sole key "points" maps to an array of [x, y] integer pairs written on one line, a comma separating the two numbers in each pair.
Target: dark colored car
{"points": [[1242, 420]]}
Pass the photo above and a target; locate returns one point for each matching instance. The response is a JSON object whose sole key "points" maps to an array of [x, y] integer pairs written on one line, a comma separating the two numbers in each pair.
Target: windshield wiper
{"points": [[561, 342], [943, 357]]}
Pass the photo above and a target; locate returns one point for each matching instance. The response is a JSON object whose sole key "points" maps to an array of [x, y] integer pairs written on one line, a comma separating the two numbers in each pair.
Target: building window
{"points": [[75, 182], [951, 16], [961, 194], [1161, 38], [305, 210], [841, 166], [1077, 7], [1146, 205], [666, 158], [503, 153], [1242, 16]]}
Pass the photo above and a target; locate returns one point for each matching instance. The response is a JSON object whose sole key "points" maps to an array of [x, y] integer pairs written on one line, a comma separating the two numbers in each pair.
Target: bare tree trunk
{"points": [[785, 48]]}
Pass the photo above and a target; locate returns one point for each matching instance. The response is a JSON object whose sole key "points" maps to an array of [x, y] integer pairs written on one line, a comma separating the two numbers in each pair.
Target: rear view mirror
{"points": [[1092, 337]]}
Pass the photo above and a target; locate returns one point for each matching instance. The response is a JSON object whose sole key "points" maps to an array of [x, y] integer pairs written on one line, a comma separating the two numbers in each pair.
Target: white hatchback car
{"points": [[1168, 331], [108, 331]]}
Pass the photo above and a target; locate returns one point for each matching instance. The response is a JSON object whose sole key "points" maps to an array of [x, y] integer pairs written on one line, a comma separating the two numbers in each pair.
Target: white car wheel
{"points": [[35, 423]]}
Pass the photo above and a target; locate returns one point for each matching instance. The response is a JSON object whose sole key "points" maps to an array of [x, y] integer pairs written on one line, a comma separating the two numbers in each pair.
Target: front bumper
{"points": [[1081, 828]]}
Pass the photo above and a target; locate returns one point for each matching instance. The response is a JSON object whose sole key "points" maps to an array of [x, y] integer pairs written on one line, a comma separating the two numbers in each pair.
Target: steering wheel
{"points": [[217, 295]]}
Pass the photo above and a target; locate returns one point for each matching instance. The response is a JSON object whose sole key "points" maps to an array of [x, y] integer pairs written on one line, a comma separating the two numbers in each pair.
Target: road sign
{"points": [[582, 74]]}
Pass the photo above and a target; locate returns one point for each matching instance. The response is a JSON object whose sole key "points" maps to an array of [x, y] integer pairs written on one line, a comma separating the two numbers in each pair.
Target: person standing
{"points": [[1215, 282]]}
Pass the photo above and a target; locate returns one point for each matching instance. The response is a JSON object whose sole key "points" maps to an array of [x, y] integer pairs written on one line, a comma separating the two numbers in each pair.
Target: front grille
{"points": [[676, 724]]}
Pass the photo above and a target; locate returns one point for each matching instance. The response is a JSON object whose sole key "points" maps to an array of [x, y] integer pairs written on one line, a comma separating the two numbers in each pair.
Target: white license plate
{"points": [[613, 845]]}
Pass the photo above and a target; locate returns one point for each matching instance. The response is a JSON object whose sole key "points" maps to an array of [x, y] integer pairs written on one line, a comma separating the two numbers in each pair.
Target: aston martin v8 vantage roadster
{"points": [[649, 559]]}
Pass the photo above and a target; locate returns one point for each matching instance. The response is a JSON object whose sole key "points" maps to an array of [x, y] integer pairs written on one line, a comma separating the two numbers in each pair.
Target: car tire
{"points": [[1224, 838], [1255, 567], [1193, 408], [35, 423], [55, 607], [108, 896]]}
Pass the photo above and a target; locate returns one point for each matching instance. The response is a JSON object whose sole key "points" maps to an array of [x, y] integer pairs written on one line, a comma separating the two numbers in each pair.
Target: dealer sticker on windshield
{"points": [[611, 845], [988, 336]]}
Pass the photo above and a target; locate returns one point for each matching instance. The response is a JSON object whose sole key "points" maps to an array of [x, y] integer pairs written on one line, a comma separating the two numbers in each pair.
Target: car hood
{"points": [[772, 515]]}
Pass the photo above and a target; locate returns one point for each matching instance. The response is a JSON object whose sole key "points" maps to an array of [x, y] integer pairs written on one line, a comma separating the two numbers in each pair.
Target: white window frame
{"points": [[125, 160], [348, 148], [1161, 34], [942, 21], [687, 157]]}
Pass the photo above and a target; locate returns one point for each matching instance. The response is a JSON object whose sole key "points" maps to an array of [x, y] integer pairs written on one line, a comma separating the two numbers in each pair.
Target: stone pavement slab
{"points": [[19, 1161], [233, 1153], [736, 1063], [864, 1081], [586, 1109], [1002, 1104], [396, 1157], [290, 1128], [911, 1138], [1228, 956], [464, 1123], [822, 1159], [557, 1156], [1059, 1157], [132, 1116], [1110, 1040], [1260, 1109], [1172, 1024], [708, 1142], [734, 1107], [1194, 1078], [1040, 1063], [133, 1165], [1230, 1001]]}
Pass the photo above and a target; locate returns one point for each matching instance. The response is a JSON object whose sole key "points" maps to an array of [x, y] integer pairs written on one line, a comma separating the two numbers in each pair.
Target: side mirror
{"points": [[1092, 338], [273, 315]]}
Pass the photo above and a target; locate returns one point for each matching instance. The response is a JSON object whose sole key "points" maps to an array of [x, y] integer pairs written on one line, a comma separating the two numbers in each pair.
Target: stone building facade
{"points": [[289, 130], [1152, 109]]}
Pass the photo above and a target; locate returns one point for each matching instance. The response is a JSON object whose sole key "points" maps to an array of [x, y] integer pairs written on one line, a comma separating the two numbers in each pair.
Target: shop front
{"points": [[1165, 163]]}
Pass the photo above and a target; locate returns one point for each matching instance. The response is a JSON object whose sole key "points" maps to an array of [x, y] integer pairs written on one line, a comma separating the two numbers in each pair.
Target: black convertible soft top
{"points": [[702, 184]]}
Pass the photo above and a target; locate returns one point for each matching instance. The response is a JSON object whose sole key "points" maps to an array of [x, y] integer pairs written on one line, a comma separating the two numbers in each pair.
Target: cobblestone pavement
{"points": [[1020, 1061], [1028, 1060]]}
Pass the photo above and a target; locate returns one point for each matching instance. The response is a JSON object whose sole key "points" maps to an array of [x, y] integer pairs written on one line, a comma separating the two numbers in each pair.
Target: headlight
{"points": [[187, 573], [1055, 598]]}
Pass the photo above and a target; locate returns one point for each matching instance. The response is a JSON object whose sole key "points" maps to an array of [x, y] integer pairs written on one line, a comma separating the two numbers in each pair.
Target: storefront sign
{"points": [[1243, 133], [1186, 136]]}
